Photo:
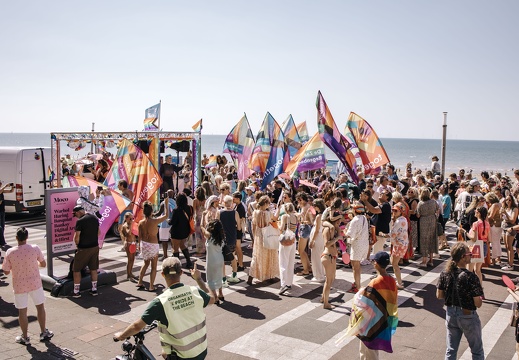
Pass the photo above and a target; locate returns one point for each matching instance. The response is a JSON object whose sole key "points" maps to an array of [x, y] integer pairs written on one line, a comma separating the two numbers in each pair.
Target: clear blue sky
{"points": [[399, 64]]}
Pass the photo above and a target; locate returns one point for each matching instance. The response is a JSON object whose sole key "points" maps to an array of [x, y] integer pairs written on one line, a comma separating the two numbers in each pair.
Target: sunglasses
{"points": [[468, 254], [370, 187]]}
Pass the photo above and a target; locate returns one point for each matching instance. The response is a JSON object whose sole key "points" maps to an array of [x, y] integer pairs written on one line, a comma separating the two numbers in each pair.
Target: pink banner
{"points": [[62, 222]]}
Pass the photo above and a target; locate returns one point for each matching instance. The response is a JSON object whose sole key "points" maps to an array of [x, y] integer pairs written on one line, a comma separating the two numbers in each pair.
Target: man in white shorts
{"points": [[23, 260]]}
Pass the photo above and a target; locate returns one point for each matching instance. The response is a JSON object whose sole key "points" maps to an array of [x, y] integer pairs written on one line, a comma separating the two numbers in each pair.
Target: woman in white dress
{"points": [[316, 243], [358, 233]]}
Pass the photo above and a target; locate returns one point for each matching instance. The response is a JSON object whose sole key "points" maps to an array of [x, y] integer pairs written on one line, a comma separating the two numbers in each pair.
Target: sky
{"points": [[399, 64]]}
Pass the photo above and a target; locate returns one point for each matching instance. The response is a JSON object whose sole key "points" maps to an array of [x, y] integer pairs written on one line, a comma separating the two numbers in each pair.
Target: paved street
{"points": [[252, 323]]}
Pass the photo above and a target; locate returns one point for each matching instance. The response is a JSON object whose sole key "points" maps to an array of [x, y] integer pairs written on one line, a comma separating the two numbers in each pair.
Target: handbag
{"points": [[505, 225], [270, 237], [287, 238], [227, 253], [476, 248], [439, 229], [191, 224]]}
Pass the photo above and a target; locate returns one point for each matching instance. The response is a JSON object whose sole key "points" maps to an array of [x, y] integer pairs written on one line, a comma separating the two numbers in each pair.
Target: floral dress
{"points": [[265, 262], [399, 237]]}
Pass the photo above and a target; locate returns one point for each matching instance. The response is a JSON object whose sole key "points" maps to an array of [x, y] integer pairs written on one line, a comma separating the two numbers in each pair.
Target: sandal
{"points": [[302, 274], [400, 286], [140, 286]]}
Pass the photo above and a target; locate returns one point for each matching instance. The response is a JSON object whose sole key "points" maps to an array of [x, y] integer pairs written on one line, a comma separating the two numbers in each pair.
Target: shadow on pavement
{"points": [[430, 303], [245, 312], [110, 300]]}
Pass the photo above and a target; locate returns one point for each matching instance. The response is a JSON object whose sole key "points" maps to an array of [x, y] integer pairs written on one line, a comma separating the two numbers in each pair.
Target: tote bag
{"points": [[476, 248], [270, 237]]}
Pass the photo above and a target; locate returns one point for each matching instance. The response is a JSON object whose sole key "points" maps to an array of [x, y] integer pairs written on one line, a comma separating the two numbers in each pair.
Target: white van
{"points": [[26, 168]]}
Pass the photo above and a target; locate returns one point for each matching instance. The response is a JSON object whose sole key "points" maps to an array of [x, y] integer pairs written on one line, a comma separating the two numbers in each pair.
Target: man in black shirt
{"points": [[381, 218], [463, 293], [86, 239]]}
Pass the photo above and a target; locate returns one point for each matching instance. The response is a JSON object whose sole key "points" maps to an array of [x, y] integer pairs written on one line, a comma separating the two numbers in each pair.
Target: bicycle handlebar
{"points": [[141, 333]]}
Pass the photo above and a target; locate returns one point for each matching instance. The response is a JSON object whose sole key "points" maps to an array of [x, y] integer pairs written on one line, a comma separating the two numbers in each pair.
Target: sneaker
{"points": [[241, 268], [93, 292], [23, 340], [233, 280], [365, 262], [353, 290], [76, 295], [225, 284], [507, 267], [46, 335], [284, 289]]}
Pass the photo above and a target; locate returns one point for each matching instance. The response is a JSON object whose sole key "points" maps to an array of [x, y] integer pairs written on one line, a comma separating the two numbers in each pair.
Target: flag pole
{"points": [[444, 143]]}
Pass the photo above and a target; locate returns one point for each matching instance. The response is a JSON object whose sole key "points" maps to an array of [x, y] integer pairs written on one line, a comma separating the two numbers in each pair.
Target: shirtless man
{"points": [[148, 229]]}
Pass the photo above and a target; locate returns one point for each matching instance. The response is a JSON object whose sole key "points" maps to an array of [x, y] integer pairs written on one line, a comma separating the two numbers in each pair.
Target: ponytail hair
{"points": [[458, 251]]}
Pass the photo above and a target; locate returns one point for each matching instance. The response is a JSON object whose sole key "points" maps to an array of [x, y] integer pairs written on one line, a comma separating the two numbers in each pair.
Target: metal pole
{"points": [[444, 142], [92, 140]]}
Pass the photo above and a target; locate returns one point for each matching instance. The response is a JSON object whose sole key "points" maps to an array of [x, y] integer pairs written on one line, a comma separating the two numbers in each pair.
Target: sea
{"points": [[471, 155]]}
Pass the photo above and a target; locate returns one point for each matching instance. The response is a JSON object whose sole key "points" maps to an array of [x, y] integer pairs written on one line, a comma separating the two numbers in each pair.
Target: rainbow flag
{"points": [[239, 144], [338, 143], [50, 174], [371, 150], [113, 205], [374, 315], [303, 132], [270, 155], [309, 157], [198, 126], [136, 168], [292, 137], [212, 162], [151, 117]]}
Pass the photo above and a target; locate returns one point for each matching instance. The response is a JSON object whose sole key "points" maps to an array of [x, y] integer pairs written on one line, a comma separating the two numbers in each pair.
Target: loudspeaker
{"points": [[144, 146], [182, 146]]}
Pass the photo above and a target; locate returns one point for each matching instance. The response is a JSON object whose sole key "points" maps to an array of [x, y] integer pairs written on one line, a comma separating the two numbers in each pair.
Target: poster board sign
{"points": [[60, 223], [331, 166]]}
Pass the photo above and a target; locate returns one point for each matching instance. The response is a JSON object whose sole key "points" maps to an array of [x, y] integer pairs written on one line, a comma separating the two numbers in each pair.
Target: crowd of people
{"points": [[314, 224]]}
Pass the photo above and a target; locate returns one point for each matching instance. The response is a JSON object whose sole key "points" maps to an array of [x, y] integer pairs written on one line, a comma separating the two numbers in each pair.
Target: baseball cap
{"points": [[251, 188], [77, 208], [381, 258], [474, 182], [171, 266]]}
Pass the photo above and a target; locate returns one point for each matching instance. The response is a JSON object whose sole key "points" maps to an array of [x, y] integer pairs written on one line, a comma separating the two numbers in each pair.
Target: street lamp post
{"points": [[444, 142]]}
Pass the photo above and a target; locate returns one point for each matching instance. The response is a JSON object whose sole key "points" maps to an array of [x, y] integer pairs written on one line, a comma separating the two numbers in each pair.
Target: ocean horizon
{"points": [[475, 155]]}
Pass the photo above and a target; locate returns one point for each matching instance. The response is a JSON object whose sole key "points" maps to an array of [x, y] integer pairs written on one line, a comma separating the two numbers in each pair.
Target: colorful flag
{"points": [[338, 143], [113, 204], [151, 117], [239, 144], [292, 137], [303, 132], [143, 178], [198, 126], [270, 155], [50, 174], [310, 157], [371, 150], [212, 162]]}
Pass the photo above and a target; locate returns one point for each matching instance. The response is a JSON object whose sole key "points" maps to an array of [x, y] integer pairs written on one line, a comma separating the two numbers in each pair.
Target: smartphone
{"points": [[100, 188]]}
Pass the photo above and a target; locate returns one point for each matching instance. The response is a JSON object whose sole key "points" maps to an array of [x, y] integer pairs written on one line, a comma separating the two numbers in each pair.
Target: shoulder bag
{"points": [[270, 236]]}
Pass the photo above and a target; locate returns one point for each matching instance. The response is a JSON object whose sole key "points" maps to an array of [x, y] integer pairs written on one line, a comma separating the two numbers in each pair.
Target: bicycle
{"points": [[139, 351]]}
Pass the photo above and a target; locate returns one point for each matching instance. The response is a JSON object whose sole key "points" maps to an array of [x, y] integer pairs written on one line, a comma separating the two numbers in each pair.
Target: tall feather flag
{"points": [[292, 137], [198, 126], [212, 162], [338, 143], [270, 155], [114, 204], [371, 150], [310, 156], [151, 118], [143, 179], [239, 144], [302, 130]]}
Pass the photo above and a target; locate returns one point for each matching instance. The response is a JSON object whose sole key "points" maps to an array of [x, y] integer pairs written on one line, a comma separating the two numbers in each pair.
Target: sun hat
{"points": [[210, 200]]}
